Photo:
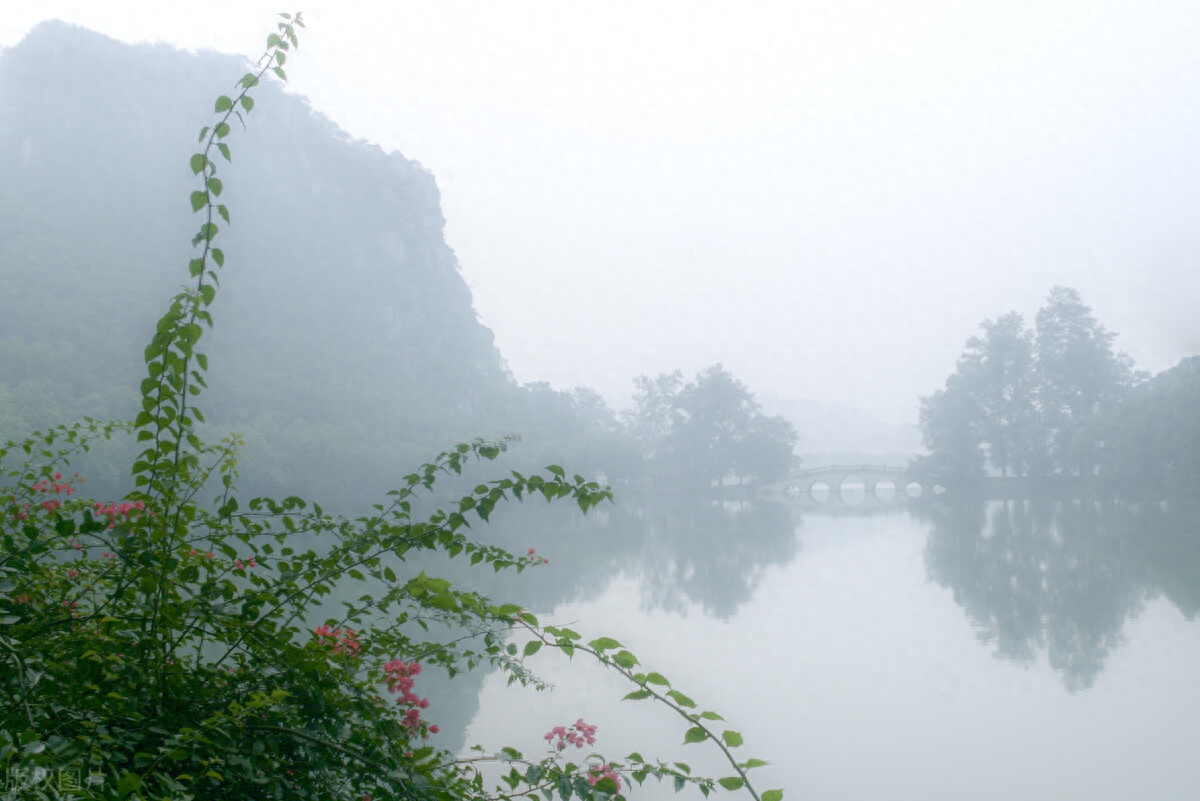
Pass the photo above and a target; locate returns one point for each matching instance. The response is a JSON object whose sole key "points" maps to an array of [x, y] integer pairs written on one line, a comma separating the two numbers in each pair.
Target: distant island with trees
{"points": [[1059, 401]]}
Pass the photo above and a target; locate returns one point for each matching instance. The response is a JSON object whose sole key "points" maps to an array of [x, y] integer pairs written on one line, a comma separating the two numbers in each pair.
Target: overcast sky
{"points": [[827, 197]]}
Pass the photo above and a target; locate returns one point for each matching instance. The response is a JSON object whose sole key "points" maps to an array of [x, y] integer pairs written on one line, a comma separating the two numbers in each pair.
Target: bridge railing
{"points": [[849, 468]]}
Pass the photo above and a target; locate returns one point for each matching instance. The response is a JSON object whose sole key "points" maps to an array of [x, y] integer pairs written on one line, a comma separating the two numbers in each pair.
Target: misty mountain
{"points": [[345, 341]]}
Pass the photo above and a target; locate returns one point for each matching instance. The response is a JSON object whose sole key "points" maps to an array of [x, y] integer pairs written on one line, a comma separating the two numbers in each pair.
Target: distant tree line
{"points": [[1059, 400], [707, 430]]}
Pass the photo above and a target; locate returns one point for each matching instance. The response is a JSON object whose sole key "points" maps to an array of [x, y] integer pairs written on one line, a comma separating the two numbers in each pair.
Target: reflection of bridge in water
{"points": [[846, 485]]}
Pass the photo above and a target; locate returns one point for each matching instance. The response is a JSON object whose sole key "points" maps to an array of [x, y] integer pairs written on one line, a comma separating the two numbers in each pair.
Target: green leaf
{"points": [[710, 716], [279, 73], [657, 678], [214, 185], [223, 104], [218, 256], [224, 148], [222, 130], [198, 162], [247, 102], [637, 695], [732, 738], [731, 782], [199, 200], [754, 763], [695, 735], [773, 795], [625, 659], [681, 699], [603, 644], [532, 647], [223, 211], [129, 783]]}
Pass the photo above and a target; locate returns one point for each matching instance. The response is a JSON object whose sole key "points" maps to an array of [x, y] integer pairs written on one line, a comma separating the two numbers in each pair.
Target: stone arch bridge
{"points": [[881, 483]]}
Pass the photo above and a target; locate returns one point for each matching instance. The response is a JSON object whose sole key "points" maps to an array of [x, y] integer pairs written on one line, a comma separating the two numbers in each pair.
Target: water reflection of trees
{"points": [[1063, 577], [710, 553], [683, 553]]}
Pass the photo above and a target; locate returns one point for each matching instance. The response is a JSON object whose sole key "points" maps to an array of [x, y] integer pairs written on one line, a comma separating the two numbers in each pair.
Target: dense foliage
{"points": [[163, 646], [1019, 401], [1151, 439], [707, 430]]}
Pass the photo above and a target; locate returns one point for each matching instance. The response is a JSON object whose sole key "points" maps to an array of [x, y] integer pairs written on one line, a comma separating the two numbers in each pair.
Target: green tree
{"points": [[708, 430], [1078, 372], [1151, 439], [1018, 402], [766, 451], [655, 414], [997, 372], [949, 423]]}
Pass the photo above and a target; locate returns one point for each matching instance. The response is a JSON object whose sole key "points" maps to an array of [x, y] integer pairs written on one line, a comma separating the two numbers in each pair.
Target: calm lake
{"points": [[967, 650]]}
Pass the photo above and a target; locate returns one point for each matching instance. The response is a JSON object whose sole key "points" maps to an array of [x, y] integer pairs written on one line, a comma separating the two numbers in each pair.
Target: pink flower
{"points": [[398, 675], [605, 771], [577, 734]]}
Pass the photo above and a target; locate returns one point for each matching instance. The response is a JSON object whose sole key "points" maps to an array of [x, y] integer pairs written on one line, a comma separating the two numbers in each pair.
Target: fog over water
{"points": [[825, 198], [987, 651]]}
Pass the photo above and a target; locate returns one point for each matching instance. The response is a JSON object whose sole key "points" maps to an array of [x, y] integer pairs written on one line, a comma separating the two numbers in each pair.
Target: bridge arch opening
{"points": [[913, 489], [886, 490], [853, 491], [820, 491]]}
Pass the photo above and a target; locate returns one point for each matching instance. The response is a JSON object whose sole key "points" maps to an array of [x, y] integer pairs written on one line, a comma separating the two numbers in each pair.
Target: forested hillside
{"points": [[346, 341], [346, 332]]}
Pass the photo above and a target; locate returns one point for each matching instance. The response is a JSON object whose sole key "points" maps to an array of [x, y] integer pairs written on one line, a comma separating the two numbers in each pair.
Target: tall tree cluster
{"points": [[707, 430], [1019, 400]]}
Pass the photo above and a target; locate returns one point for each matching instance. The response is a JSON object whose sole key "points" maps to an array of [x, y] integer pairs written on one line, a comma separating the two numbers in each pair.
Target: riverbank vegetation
{"points": [[191, 641]]}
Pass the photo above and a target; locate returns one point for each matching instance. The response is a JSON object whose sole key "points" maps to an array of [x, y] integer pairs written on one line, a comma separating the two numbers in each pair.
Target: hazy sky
{"points": [[827, 197]]}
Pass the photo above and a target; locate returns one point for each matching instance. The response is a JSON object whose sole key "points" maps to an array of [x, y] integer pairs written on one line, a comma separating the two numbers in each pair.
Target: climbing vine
{"points": [[161, 647]]}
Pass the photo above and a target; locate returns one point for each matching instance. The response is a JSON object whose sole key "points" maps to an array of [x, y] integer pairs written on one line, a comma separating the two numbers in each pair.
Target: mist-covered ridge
{"points": [[341, 313]]}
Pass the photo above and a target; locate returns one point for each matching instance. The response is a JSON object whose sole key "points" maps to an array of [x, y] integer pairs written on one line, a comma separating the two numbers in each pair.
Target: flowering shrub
{"points": [[167, 649], [577, 734]]}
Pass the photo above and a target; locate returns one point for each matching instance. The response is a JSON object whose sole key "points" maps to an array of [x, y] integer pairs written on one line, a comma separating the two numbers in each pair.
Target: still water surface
{"points": [[985, 650]]}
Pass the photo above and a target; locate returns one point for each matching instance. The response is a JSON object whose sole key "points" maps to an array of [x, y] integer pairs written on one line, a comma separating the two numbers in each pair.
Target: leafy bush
{"points": [[160, 647]]}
